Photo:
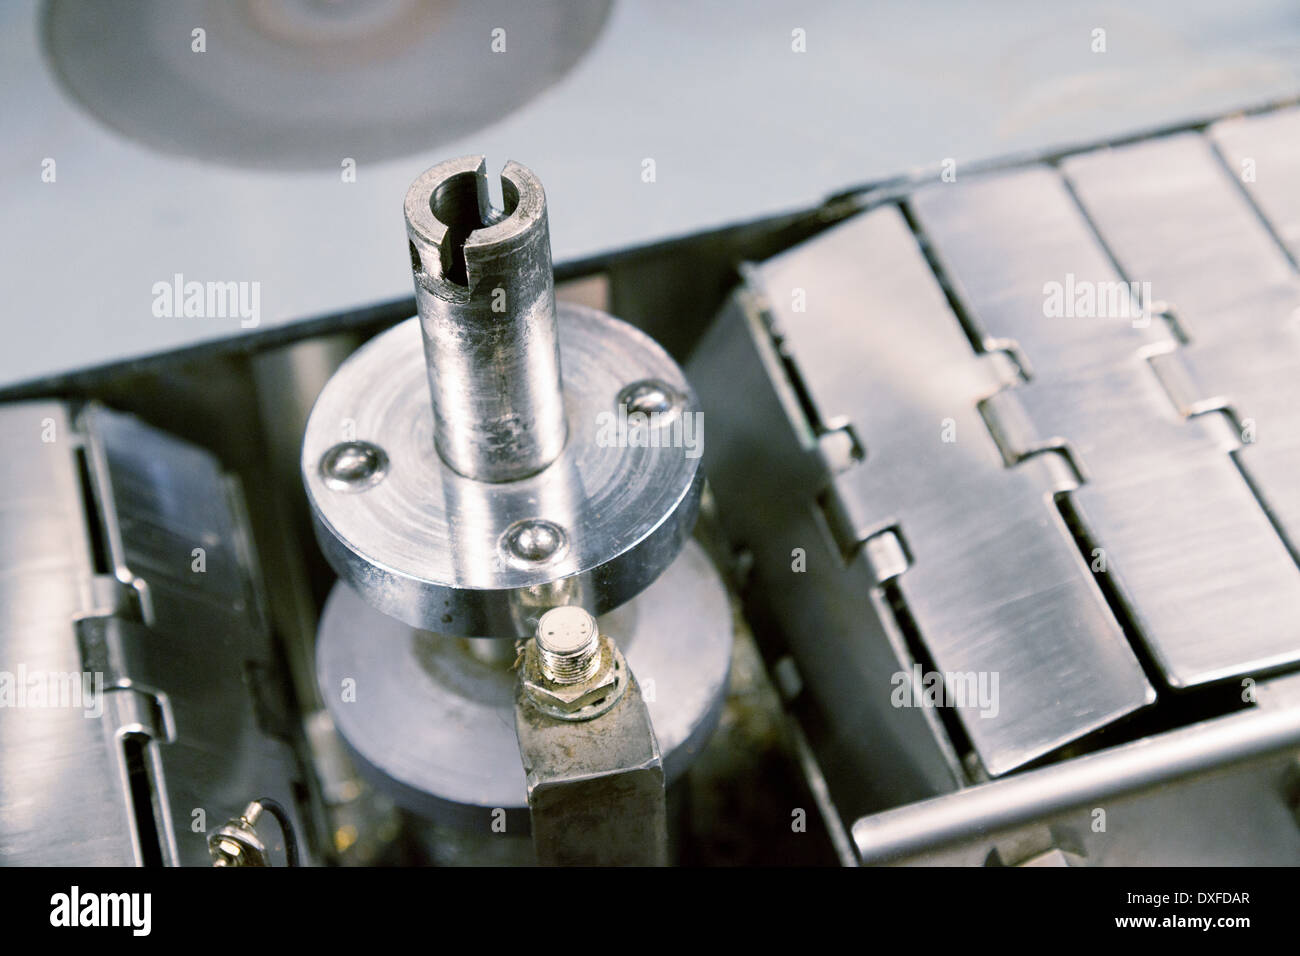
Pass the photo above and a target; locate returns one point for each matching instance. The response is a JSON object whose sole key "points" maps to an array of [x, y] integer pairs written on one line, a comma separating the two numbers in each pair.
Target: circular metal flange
{"points": [[432, 726], [458, 556]]}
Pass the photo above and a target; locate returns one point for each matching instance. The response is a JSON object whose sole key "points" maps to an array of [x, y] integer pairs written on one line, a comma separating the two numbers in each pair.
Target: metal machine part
{"points": [[237, 842], [486, 298], [917, 524], [1030, 432], [492, 462], [570, 671], [1083, 505], [130, 579], [431, 723], [590, 520], [568, 646], [1223, 267], [1221, 790], [1094, 390], [595, 773]]}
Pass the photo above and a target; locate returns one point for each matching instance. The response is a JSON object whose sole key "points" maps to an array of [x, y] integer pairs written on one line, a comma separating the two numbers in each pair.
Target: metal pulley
{"points": [[463, 468]]}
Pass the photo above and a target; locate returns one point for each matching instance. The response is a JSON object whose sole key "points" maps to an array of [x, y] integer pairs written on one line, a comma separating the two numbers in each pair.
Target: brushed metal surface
{"points": [[1166, 429], [485, 294], [995, 584], [182, 655], [764, 469], [201, 648], [1259, 151], [1176, 216], [425, 544], [64, 798], [1184, 538]]}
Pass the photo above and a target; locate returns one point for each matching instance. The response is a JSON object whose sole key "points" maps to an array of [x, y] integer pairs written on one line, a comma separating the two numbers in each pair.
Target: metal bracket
{"points": [[595, 786]]}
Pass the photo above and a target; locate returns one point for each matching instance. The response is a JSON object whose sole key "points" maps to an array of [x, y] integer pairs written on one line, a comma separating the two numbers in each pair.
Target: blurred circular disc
{"points": [[433, 727], [301, 84]]}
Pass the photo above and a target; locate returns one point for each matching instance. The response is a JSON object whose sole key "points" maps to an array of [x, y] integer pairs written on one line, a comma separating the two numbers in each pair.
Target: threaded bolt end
{"points": [[568, 645]]}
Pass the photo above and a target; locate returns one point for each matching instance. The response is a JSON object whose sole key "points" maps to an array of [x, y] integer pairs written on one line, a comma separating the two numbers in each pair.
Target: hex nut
{"points": [[234, 846], [577, 701]]}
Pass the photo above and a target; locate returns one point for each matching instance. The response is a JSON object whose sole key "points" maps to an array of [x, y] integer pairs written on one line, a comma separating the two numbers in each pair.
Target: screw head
{"points": [[650, 397], [353, 466], [533, 541]]}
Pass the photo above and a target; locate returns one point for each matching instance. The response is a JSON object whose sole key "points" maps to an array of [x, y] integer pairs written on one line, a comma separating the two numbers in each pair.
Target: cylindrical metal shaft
{"points": [[486, 298]]}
